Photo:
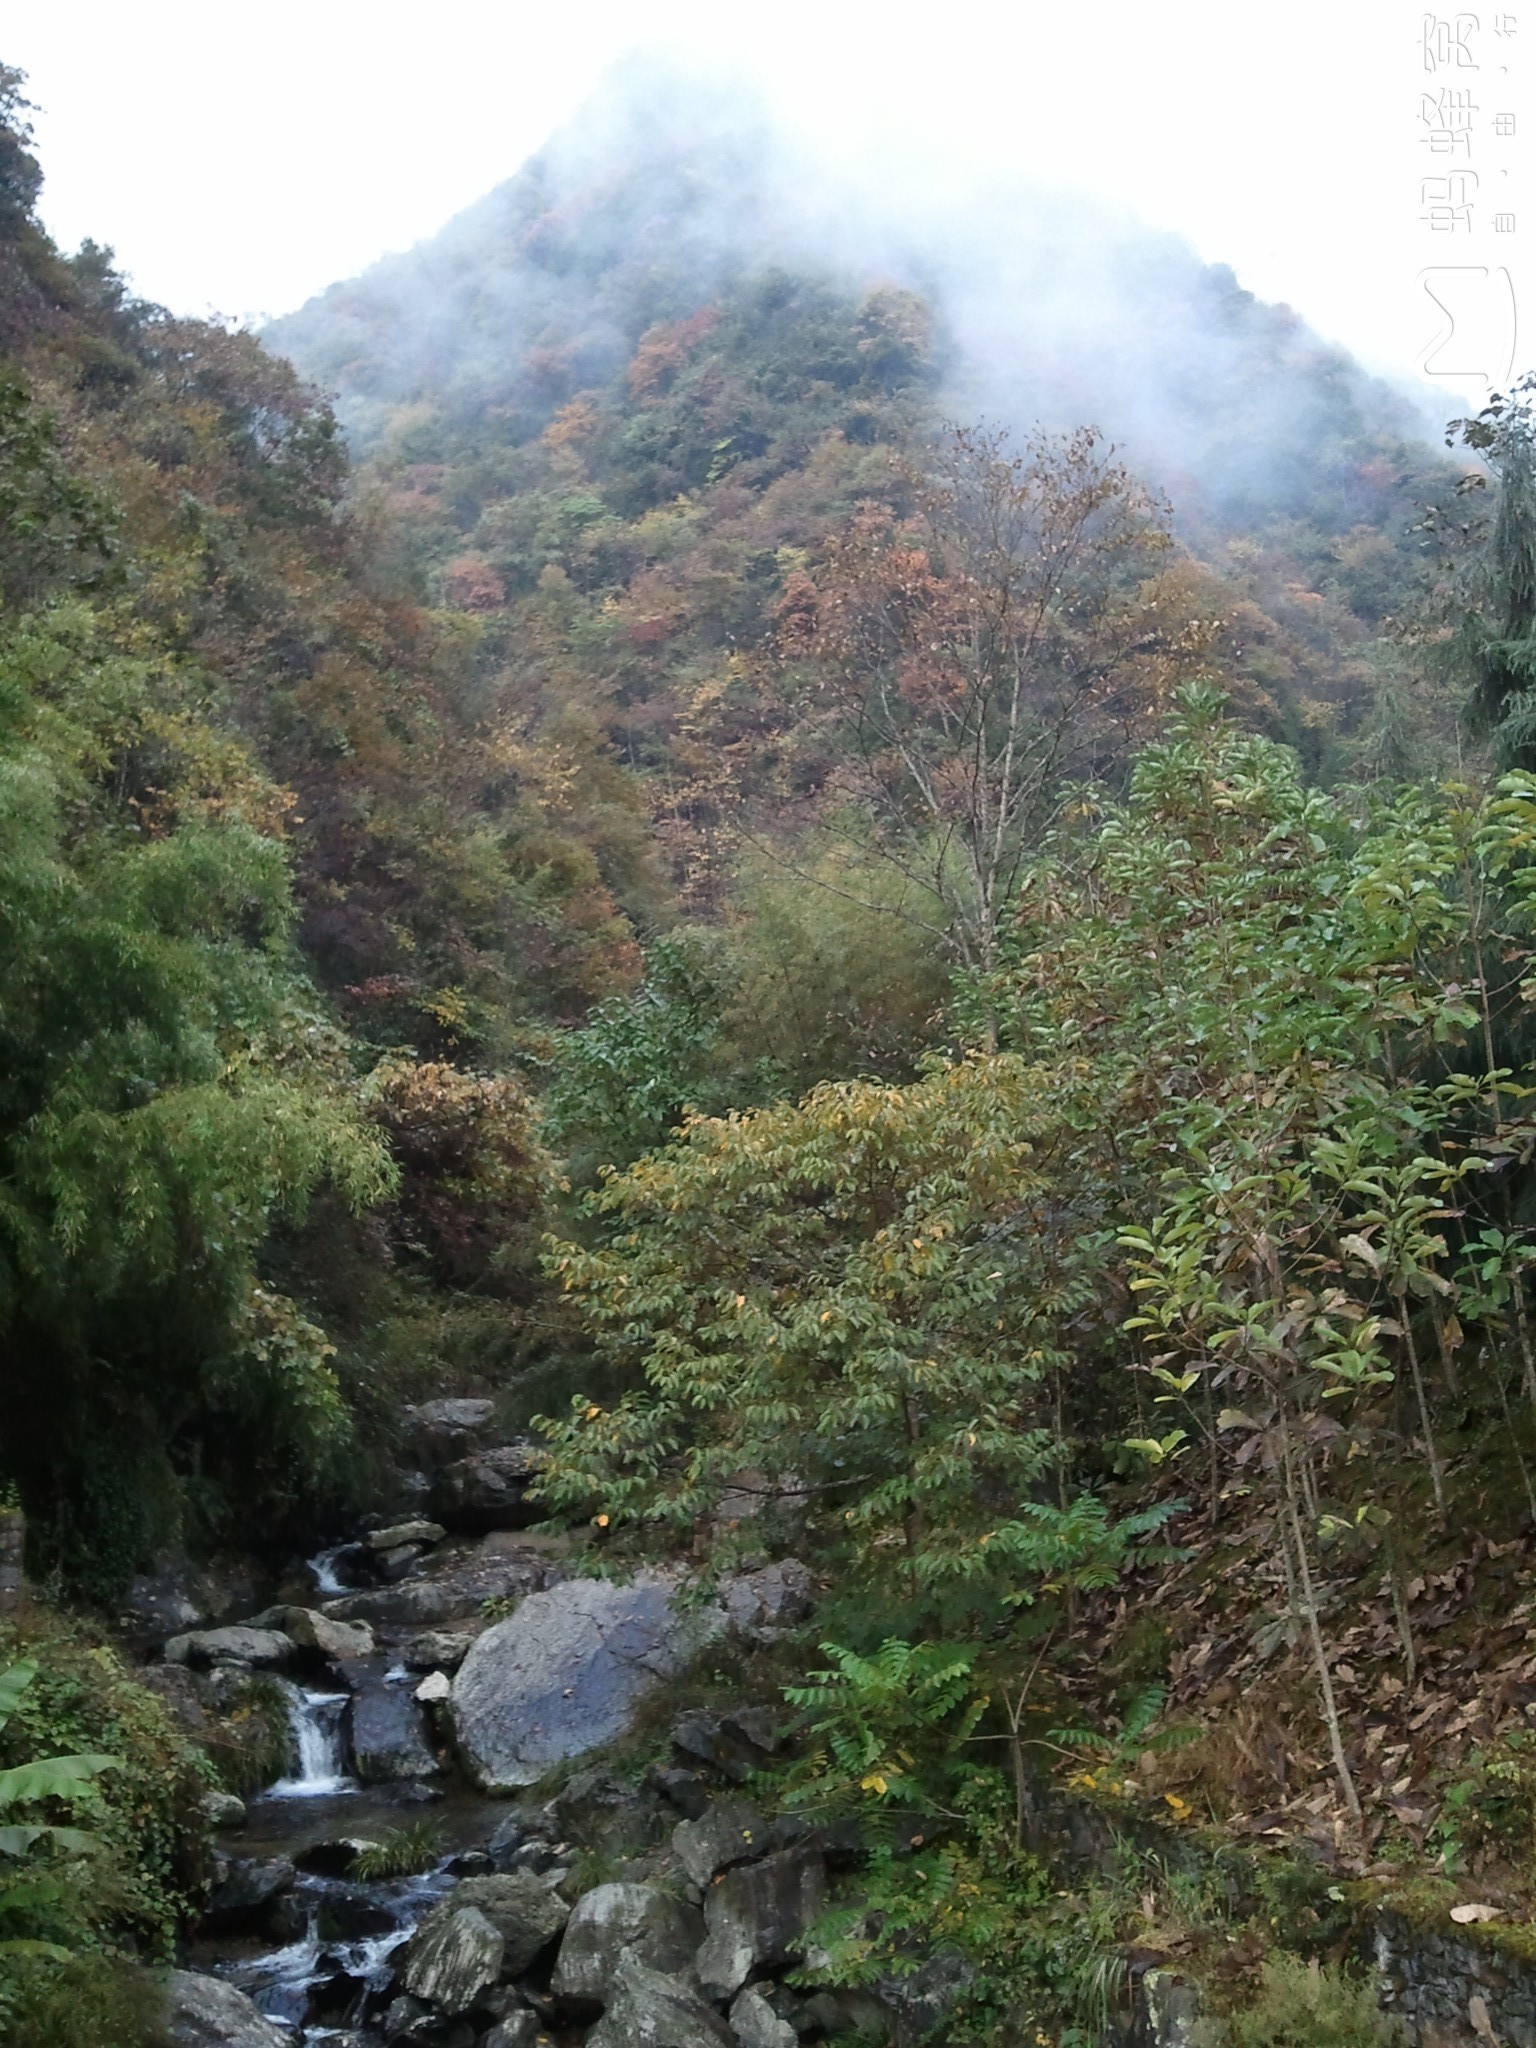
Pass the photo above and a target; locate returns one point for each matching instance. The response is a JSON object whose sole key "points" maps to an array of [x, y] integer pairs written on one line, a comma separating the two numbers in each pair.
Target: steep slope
{"points": [[667, 355]]}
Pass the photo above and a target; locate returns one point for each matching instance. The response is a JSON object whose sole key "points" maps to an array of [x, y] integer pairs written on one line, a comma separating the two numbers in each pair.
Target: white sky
{"points": [[241, 157]]}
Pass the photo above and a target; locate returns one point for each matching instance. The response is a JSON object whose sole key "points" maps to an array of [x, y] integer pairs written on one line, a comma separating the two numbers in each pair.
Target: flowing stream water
{"points": [[322, 1981], [342, 1932], [328, 1976], [328, 1581], [318, 1724]]}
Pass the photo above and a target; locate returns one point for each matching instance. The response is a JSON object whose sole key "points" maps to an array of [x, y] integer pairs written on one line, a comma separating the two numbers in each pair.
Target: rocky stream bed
{"points": [[438, 1675], [450, 1681]]}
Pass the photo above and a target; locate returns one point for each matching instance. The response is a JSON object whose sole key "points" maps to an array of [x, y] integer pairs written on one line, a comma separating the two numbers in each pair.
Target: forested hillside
{"points": [[884, 890]]}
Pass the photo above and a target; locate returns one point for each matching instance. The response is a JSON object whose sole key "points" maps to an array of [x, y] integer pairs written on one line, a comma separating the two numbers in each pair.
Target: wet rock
{"points": [[648, 2010], [540, 1857], [424, 1534], [332, 1996], [1172, 2007], [351, 1912], [601, 1812], [454, 1591], [402, 2014], [437, 1650], [846, 2012], [417, 1793], [507, 1837], [223, 1810], [685, 1790], [619, 1920], [388, 1737], [164, 1603], [205, 2012], [727, 1743], [756, 2025], [243, 1890], [924, 2000], [180, 1693], [286, 1921], [776, 1596], [333, 1857], [454, 1955], [438, 1432], [396, 1565], [178, 1596], [335, 1639], [260, 1649], [757, 1915], [526, 1913], [351, 1563], [519, 2030], [470, 1863], [489, 1490], [762, 1728], [565, 1673], [729, 1832], [840, 1842]]}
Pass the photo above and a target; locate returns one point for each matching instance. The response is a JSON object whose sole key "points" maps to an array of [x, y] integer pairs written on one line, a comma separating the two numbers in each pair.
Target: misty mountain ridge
{"points": [[1052, 308]]}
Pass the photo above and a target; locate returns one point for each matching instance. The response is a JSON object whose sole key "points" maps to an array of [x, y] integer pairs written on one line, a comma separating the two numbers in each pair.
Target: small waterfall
{"points": [[319, 1746], [324, 1568], [286, 1982]]}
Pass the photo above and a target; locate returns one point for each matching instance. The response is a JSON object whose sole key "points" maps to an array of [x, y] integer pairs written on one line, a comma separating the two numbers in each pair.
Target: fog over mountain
{"points": [[1051, 307]]}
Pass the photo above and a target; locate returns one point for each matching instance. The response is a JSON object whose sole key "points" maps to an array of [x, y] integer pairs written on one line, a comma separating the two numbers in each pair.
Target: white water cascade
{"points": [[327, 1583], [319, 1746]]}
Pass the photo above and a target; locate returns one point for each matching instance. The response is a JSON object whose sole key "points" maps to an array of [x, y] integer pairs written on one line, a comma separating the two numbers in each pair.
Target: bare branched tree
{"points": [[974, 658]]}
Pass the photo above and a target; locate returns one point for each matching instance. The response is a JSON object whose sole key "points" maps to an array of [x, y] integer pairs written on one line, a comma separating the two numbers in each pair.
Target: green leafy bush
{"points": [[83, 1900], [1306, 2005], [148, 1835]]}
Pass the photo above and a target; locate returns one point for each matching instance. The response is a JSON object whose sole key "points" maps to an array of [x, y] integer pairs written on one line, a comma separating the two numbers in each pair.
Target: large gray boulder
{"points": [[489, 1490], [389, 1737], [757, 1916], [259, 1649], [165, 1602], [177, 1596], [437, 1650], [456, 1588], [454, 1956], [314, 1631], [527, 1913], [243, 1890], [619, 1920], [725, 1834], [774, 1596], [603, 1813], [401, 1534], [205, 2012], [756, 2025], [437, 1432], [648, 2010], [566, 1672]]}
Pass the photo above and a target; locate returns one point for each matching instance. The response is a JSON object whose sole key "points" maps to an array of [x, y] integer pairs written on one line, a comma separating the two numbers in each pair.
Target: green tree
{"points": [[170, 1086], [854, 1306], [1498, 638]]}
